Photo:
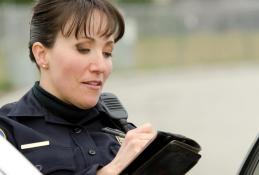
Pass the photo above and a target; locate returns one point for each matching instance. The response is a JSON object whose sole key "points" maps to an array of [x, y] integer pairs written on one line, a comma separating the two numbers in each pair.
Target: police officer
{"points": [[58, 123]]}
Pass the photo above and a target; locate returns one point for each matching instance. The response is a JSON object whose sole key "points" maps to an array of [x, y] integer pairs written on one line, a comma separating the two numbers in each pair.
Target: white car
{"points": [[14, 163]]}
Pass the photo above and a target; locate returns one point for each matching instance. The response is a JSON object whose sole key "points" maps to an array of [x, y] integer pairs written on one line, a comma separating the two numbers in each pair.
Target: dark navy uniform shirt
{"points": [[55, 145]]}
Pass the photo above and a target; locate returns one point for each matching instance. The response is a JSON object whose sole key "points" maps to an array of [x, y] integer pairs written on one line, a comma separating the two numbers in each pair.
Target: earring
{"points": [[44, 66]]}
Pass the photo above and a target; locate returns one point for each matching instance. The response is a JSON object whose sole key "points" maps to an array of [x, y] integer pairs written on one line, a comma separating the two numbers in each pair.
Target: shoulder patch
{"points": [[2, 134]]}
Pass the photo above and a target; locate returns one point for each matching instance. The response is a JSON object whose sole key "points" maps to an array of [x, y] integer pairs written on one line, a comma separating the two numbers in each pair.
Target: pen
{"points": [[113, 132]]}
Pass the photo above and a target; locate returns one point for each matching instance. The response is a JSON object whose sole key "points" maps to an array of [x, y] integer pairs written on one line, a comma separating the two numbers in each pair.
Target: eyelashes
{"points": [[87, 50], [83, 50], [107, 54]]}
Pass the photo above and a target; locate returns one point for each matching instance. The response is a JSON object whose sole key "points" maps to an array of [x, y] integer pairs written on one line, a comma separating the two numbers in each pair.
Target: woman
{"points": [[58, 124]]}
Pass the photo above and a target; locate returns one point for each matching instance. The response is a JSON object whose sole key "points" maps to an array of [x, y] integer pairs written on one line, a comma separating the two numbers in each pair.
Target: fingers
{"points": [[139, 137], [143, 132], [135, 141], [145, 128], [143, 136]]}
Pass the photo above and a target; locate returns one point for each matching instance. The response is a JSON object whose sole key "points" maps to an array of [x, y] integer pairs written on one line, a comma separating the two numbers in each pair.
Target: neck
{"points": [[56, 106]]}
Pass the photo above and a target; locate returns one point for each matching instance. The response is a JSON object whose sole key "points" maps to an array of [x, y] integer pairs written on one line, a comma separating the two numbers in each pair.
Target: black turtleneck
{"points": [[68, 112]]}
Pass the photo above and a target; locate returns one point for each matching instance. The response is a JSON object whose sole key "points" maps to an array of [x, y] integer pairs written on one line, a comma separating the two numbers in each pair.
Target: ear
{"points": [[40, 53]]}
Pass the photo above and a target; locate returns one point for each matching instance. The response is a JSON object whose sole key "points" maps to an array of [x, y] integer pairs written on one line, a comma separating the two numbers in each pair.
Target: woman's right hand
{"points": [[135, 141]]}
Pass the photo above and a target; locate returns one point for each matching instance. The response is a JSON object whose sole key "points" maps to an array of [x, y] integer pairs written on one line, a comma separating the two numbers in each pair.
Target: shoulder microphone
{"points": [[115, 109]]}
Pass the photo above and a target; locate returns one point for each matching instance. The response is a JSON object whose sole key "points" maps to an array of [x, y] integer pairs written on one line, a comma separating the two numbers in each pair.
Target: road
{"points": [[216, 106]]}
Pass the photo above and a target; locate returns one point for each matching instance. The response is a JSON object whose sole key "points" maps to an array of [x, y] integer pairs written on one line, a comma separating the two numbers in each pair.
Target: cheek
{"points": [[109, 69], [69, 61], [66, 64], [73, 67]]}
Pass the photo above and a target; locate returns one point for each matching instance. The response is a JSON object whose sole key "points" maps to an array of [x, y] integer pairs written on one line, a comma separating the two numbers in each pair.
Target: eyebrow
{"points": [[93, 40]]}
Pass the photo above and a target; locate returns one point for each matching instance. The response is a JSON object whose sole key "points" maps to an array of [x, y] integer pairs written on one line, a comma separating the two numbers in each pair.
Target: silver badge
{"points": [[2, 134], [120, 139]]}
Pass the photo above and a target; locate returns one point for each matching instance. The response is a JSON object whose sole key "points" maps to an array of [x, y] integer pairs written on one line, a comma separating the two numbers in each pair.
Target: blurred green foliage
{"points": [[4, 82], [135, 1], [197, 48], [16, 1]]}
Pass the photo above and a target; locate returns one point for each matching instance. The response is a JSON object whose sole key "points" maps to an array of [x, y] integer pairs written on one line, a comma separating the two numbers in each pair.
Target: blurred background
{"points": [[187, 66]]}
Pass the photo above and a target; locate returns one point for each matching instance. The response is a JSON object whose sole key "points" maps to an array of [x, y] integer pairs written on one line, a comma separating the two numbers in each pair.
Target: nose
{"points": [[98, 63]]}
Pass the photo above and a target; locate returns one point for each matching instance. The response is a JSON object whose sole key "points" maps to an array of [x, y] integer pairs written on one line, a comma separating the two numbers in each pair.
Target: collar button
{"points": [[77, 130], [91, 152], [39, 167]]}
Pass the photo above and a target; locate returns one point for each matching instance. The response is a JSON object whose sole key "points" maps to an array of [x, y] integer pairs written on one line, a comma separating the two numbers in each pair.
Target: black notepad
{"points": [[167, 154]]}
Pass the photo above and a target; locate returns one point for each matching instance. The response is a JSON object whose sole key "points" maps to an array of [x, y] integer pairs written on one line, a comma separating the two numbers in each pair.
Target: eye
{"points": [[83, 50], [107, 54]]}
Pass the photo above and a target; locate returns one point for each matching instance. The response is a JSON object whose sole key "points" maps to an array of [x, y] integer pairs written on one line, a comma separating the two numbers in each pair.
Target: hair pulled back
{"points": [[71, 17]]}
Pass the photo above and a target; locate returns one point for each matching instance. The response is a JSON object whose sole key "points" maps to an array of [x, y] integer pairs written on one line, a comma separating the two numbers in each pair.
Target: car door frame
{"points": [[252, 160]]}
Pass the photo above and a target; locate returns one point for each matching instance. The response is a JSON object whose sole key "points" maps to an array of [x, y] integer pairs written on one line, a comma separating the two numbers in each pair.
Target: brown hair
{"points": [[51, 16]]}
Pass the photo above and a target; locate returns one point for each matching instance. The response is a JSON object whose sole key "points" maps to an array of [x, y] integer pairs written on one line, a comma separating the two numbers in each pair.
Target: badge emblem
{"points": [[120, 139], [2, 134]]}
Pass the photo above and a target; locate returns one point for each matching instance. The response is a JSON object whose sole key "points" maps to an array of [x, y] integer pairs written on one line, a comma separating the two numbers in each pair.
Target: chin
{"points": [[89, 103]]}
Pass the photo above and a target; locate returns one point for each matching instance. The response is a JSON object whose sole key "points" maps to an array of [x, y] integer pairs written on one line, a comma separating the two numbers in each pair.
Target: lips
{"points": [[94, 84]]}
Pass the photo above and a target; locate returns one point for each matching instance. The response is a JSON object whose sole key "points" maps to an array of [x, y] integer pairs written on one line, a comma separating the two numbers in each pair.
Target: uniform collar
{"points": [[27, 106], [30, 107]]}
